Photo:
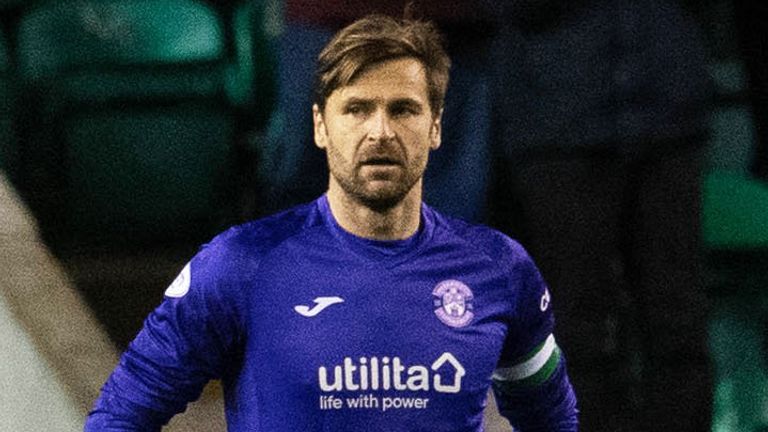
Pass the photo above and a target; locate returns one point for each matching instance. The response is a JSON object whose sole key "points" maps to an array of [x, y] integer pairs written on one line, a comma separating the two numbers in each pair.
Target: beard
{"points": [[379, 191]]}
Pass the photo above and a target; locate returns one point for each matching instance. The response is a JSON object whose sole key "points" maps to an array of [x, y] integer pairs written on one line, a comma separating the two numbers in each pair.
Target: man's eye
{"points": [[403, 111], [354, 110]]}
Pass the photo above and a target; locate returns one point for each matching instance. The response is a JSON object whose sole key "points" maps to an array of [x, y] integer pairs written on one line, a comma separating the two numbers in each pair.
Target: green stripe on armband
{"points": [[534, 369]]}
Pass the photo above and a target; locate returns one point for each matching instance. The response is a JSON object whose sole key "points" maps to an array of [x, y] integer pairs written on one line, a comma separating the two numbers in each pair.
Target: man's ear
{"points": [[435, 131], [320, 131]]}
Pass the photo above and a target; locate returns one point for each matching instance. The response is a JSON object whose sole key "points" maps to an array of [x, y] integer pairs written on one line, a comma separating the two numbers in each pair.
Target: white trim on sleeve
{"points": [[529, 367]]}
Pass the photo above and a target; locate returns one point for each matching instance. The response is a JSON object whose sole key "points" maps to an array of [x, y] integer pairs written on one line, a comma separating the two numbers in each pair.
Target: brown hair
{"points": [[377, 38]]}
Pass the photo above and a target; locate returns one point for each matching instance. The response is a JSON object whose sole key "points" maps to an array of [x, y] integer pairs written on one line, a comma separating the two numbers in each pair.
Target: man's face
{"points": [[378, 131]]}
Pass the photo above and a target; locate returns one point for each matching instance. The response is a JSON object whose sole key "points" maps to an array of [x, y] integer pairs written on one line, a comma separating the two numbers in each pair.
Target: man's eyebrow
{"points": [[407, 101], [398, 101], [357, 100]]}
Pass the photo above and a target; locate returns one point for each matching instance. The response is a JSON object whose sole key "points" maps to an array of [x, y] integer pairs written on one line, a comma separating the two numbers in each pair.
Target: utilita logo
{"points": [[385, 373]]}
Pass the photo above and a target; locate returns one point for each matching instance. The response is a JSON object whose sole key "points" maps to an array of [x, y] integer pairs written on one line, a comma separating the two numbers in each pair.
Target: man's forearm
{"points": [[546, 407]]}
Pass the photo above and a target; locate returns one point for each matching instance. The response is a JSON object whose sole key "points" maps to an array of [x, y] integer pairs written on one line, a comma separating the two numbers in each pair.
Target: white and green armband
{"points": [[533, 369]]}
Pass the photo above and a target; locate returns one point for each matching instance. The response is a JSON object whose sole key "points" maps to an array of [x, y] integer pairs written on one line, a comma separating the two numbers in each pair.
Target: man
{"points": [[364, 310]]}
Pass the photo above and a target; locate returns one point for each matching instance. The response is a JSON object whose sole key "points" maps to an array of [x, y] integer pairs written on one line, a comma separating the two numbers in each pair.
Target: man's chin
{"points": [[382, 196], [381, 202], [377, 194]]}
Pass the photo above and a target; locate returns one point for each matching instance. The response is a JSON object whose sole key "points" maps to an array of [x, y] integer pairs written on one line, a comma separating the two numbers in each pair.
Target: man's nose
{"points": [[380, 127]]}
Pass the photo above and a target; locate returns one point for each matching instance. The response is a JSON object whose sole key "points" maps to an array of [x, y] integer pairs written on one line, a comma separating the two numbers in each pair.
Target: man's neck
{"points": [[396, 223]]}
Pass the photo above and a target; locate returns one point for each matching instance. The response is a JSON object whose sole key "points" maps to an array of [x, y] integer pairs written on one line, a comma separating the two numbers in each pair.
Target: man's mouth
{"points": [[380, 161]]}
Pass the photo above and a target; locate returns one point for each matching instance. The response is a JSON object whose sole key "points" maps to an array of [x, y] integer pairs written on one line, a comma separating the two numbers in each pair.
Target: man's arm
{"points": [[531, 383], [535, 394], [184, 343]]}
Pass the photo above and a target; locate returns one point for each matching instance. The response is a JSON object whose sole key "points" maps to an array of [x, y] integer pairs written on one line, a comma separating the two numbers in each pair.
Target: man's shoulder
{"points": [[260, 236], [485, 239]]}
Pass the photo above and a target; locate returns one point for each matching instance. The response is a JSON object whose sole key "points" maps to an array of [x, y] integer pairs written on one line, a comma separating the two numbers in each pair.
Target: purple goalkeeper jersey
{"points": [[311, 328]]}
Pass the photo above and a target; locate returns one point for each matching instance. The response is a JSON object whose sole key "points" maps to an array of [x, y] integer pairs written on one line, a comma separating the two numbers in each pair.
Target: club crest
{"points": [[453, 303]]}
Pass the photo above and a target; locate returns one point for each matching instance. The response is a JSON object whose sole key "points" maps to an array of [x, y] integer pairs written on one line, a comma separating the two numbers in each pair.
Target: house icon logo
{"points": [[448, 362]]}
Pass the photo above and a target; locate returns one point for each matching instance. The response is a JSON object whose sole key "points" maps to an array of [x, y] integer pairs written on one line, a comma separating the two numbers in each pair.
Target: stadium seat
{"points": [[250, 84], [735, 212], [735, 234], [735, 205], [66, 35], [132, 132]]}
